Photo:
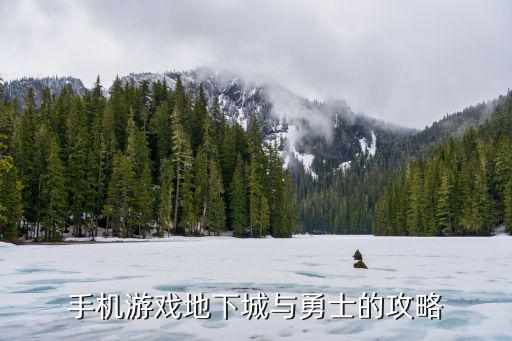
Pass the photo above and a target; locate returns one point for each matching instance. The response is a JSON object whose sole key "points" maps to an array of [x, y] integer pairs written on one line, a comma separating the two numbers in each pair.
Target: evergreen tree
{"points": [[508, 205], [138, 155], [502, 171], [161, 128], [108, 144], [415, 214], [199, 115], [95, 176], [201, 186], [119, 207], [120, 112], [379, 218], [430, 196], [165, 209], [182, 106], [208, 187], [219, 123], [7, 126], [42, 141], [472, 218], [58, 120], [476, 215], [97, 98], [255, 146], [258, 188], [159, 94], [403, 207], [24, 156], [216, 216], [443, 206], [291, 205], [78, 177], [258, 203], [238, 205], [228, 155], [277, 200], [10, 199], [182, 164], [54, 194], [45, 110], [96, 193]]}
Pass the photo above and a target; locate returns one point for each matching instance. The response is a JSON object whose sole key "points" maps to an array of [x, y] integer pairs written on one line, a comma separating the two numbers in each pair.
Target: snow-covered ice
{"points": [[474, 276]]}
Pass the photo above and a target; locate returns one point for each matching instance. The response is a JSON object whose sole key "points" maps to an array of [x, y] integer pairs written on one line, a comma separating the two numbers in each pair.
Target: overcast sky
{"points": [[407, 62]]}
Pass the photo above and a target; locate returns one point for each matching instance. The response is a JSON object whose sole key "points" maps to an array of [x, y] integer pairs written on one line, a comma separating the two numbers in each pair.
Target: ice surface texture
{"points": [[474, 275]]}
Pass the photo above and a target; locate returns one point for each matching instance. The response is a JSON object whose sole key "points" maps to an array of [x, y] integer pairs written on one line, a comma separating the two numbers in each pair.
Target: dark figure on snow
{"points": [[357, 255], [359, 258]]}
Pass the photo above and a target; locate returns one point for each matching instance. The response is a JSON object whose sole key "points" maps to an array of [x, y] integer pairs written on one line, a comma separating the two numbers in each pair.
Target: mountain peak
{"points": [[17, 89]]}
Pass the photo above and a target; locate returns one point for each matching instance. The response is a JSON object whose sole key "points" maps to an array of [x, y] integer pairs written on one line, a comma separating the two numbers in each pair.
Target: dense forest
{"points": [[149, 158], [463, 187], [344, 201], [145, 160]]}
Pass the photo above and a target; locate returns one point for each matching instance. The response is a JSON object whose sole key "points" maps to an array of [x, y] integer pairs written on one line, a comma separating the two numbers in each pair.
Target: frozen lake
{"points": [[473, 275]]}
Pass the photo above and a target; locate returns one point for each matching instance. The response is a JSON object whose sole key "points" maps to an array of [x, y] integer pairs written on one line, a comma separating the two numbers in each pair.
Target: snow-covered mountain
{"points": [[17, 89], [237, 98], [322, 136], [318, 135]]}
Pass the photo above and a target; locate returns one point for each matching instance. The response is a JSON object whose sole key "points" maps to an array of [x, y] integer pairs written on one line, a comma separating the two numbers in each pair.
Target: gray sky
{"points": [[408, 62]]}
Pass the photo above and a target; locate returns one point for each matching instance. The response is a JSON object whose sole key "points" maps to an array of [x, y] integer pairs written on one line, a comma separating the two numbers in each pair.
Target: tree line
{"points": [[346, 201], [464, 186], [145, 160]]}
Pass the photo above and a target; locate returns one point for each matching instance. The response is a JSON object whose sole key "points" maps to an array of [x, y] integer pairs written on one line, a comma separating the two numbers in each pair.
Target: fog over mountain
{"points": [[302, 129], [407, 62], [323, 137]]}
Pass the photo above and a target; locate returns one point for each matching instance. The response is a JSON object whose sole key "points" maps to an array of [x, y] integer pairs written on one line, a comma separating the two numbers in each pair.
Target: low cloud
{"points": [[408, 62]]}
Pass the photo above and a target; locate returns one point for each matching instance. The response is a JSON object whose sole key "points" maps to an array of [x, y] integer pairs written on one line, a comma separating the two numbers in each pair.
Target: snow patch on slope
{"points": [[305, 159], [242, 119], [372, 148], [345, 166], [150, 77], [291, 136]]}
